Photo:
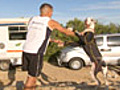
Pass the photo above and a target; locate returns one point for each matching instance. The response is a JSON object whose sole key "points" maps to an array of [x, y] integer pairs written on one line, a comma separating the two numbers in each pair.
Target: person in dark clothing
{"points": [[89, 45]]}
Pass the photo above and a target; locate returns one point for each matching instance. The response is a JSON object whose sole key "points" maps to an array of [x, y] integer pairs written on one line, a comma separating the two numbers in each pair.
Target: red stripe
{"points": [[14, 51]]}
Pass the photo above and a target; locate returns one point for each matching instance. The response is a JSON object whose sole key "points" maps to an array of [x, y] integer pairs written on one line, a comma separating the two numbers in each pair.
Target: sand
{"points": [[60, 78]]}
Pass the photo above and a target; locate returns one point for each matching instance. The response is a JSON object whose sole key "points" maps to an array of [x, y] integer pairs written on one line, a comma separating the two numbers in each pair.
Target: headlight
{"points": [[63, 55], [2, 45]]}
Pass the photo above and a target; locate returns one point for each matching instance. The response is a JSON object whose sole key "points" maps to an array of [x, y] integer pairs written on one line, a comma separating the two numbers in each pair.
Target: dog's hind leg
{"points": [[105, 72], [94, 72]]}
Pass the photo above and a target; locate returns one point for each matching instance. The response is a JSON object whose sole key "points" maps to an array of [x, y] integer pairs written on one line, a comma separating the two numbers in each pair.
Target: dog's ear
{"points": [[94, 21]]}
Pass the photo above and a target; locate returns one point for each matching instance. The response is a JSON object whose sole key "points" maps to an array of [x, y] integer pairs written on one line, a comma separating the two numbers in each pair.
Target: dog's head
{"points": [[90, 23]]}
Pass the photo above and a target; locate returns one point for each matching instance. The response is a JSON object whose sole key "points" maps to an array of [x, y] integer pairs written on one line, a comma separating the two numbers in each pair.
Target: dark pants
{"points": [[32, 63]]}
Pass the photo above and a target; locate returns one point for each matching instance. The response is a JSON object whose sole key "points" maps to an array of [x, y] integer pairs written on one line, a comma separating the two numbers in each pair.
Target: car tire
{"points": [[4, 65], [76, 63]]}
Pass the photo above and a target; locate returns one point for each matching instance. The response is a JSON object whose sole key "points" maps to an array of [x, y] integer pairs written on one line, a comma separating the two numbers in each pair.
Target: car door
{"points": [[113, 42], [109, 45], [102, 45]]}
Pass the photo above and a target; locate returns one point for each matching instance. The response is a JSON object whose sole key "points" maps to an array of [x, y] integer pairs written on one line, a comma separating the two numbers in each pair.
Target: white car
{"points": [[76, 58]]}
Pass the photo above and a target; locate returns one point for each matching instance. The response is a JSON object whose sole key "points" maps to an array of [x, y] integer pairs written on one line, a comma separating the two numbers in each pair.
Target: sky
{"points": [[105, 11]]}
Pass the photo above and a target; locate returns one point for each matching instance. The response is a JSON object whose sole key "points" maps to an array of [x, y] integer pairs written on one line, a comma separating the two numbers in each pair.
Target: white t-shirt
{"points": [[37, 28]]}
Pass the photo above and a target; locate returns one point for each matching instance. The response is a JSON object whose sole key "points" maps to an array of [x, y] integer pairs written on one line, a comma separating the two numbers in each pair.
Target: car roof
{"points": [[102, 35]]}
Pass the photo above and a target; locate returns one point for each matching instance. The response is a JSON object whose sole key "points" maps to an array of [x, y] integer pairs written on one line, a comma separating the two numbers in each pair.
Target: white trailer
{"points": [[12, 38]]}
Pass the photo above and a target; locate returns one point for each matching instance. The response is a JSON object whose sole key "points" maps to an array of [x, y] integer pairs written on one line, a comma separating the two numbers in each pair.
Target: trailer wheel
{"points": [[4, 65]]}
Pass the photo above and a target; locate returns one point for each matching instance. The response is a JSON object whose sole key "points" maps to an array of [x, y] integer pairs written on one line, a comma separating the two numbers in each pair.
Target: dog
{"points": [[101, 65], [98, 65]]}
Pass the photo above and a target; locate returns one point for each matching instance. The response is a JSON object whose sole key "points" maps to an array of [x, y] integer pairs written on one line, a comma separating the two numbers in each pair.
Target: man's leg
{"points": [[30, 83], [35, 67]]}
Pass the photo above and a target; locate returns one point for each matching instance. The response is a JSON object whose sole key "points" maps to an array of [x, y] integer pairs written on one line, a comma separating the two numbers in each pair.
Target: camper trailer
{"points": [[12, 38]]}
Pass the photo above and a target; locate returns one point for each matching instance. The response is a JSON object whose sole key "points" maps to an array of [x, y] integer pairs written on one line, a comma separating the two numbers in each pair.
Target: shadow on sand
{"points": [[67, 85], [72, 86], [11, 77], [116, 69], [53, 83], [78, 86]]}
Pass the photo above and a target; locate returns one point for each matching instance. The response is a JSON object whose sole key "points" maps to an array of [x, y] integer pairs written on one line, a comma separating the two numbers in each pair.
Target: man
{"points": [[39, 30]]}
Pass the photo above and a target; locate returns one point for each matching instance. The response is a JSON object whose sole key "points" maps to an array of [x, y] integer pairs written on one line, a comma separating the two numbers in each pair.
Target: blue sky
{"points": [[105, 11]]}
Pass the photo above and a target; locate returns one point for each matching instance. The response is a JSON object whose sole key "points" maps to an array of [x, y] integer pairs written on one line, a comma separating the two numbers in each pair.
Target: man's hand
{"points": [[59, 42], [78, 33]]}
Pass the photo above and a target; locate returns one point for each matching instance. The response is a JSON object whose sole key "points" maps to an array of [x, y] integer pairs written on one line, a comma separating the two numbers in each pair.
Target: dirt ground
{"points": [[60, 78]]}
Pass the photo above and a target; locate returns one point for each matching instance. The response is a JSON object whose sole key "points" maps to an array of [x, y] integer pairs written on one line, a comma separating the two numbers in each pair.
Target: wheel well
{"points": [[6, 62], [79, 59]]}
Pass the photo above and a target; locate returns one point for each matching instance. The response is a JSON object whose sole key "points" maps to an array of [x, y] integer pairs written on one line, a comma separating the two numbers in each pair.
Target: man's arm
{"points": [[59, 42], [55, 25]]}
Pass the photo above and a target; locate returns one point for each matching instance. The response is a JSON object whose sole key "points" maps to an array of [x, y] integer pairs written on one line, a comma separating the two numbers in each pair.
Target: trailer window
{"points": [[17, 32], [17, 28], [17, 36]]}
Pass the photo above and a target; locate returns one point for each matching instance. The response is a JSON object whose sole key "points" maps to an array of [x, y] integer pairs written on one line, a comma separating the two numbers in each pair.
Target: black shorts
{"points": [[32, 63]]}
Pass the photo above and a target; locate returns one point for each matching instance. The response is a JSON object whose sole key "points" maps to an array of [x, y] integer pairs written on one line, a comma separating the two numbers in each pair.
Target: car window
{"points": [[99, 41], [113, 41], [17, 32]]}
